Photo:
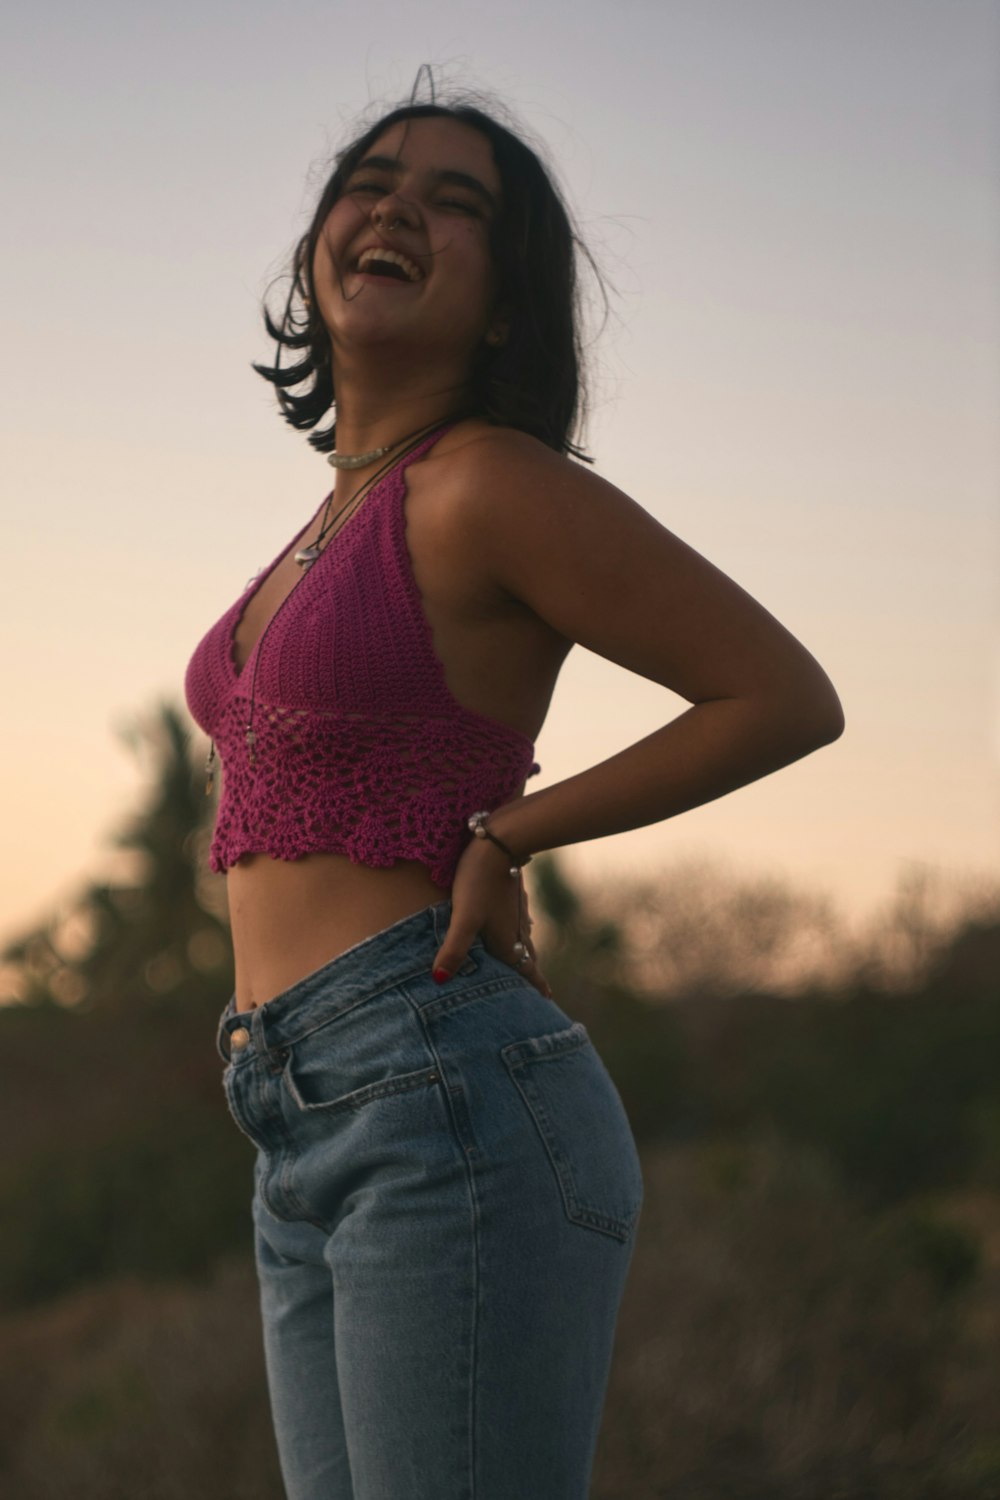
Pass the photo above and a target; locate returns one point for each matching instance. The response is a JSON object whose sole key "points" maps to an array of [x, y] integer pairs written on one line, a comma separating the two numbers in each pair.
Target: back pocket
{"points": [[580, 1117]]}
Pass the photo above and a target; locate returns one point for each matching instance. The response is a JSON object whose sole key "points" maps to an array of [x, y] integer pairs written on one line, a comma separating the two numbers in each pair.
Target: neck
{"points": [[390, 403]]}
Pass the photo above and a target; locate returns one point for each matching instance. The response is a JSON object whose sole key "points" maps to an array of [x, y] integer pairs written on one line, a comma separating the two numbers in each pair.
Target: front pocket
{"points": [[582, 1122], [368, 1050], [301, 1085]]}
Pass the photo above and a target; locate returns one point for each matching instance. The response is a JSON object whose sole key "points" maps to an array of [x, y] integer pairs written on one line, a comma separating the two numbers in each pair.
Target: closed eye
{"points": [[460, 203]]}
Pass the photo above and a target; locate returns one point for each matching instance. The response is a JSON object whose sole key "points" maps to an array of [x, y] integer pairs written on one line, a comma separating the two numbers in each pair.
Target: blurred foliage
{"points": [[897, 1087], [120, 1156], [163, 933], [164, 1201], [817, 1284], [896, 1096]]}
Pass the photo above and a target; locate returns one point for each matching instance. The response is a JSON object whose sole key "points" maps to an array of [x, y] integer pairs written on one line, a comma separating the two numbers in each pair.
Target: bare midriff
{"points": [[290, 917]]}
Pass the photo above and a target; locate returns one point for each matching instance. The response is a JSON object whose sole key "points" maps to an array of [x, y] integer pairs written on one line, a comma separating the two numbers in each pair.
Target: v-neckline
{"points": [[253, 588], [238, 674]]}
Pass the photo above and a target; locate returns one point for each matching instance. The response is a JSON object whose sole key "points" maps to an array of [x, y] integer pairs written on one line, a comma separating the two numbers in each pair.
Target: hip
{"points": [[367, 1067]]}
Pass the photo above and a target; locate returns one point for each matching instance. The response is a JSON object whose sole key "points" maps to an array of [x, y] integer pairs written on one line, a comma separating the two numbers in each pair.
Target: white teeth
{"points": [[413, 272]]}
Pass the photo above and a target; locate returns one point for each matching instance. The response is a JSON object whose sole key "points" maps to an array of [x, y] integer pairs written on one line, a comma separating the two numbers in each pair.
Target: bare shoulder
{"points": [[601, 570], [506, 481], [480, 443], [537, 522], [476, 451]]}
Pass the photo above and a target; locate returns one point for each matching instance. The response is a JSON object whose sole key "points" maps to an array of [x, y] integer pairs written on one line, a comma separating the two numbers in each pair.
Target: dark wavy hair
{"points": [[535, 381]]}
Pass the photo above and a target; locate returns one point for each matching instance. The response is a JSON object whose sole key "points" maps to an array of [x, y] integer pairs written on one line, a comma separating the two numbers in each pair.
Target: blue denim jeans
{"points": [[446, 1195]]}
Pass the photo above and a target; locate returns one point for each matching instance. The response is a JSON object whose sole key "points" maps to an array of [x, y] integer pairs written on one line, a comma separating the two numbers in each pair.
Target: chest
{"points": [[398, 614], [417, 547]]}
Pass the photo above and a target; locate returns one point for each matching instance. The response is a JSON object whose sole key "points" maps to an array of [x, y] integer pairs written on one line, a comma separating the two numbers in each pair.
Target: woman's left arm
{"points": [[605, 574]]}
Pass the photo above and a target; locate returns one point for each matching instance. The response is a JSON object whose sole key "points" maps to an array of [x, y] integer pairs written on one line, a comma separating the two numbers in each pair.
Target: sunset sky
{"points": [[796, 203]]}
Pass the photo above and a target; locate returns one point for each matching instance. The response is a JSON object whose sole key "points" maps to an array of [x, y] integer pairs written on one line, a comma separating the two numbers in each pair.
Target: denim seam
{"points": [[474, 1345], [552, 1044], [400, 1083], [576, 1211], [440, 1004], [346, 1010], [397, 982], [469, 1155], [282, 1164]]}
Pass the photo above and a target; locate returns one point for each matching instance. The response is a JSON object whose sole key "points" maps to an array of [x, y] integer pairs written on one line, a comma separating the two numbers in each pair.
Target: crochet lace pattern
{"points": [[361, 749]]}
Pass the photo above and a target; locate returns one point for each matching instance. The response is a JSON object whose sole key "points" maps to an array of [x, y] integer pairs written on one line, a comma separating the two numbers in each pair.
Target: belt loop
{"points": [[221, 1032], [257, 1030]]}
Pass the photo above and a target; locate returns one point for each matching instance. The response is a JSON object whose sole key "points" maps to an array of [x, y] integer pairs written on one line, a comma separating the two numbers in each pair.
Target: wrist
{"points": [[502, 826], [480, 825]]}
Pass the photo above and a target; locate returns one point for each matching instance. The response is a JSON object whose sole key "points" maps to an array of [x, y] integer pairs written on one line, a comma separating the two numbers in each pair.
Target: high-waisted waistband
{"points": [[378, 962]]}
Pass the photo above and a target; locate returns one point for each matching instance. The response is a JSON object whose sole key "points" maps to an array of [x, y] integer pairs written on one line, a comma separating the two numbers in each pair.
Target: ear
{"points": [[499, 330]]}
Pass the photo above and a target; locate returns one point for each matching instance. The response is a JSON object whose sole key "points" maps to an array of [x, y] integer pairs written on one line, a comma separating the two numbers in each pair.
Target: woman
{"points": [[446, 1185]]}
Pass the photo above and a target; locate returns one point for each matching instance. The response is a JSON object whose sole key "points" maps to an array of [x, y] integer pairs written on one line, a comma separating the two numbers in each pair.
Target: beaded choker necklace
{"points": [[358, 460]]}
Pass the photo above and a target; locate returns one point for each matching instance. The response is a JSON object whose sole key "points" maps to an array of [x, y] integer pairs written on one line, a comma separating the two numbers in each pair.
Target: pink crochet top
{"points": [[361, 748]]}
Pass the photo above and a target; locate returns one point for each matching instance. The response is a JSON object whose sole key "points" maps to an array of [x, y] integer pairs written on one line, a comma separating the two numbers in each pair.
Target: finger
{"points": [[453, 952], [531, 971], [526, 965], [534, 975]]}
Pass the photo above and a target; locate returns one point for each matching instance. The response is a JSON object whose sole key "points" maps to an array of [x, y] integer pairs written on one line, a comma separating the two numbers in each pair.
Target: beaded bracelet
{"points": [[477, 824]]}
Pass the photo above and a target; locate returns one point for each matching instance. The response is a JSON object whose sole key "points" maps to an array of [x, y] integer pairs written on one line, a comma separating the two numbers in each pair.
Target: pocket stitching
{"points": [[541, 1048], [443, 1002], [554, 1045], [400, 1083]]}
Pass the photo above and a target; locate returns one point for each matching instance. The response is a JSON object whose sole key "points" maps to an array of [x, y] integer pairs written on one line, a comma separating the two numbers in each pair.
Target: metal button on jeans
{"points": [[239, 1039]]}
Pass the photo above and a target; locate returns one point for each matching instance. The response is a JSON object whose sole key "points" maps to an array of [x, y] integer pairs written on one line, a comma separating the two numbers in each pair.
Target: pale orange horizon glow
{"points": [[798, 209]]}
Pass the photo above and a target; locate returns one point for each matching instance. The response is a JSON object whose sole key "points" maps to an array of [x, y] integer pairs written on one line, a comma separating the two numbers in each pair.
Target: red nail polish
{"points": [[440, 975]]}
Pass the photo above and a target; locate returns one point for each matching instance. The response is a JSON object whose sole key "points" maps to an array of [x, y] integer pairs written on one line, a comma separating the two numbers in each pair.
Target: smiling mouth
{"points": [[388, 263]]}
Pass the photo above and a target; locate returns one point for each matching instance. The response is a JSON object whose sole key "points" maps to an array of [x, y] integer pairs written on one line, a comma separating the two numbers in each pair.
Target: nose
{"points": [[392, 210]]}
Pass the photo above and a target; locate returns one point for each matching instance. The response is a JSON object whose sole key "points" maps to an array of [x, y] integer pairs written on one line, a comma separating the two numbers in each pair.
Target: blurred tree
{"points": [[970, 957], [576, 944], [161, 934], [939, 925], [695, 931]]}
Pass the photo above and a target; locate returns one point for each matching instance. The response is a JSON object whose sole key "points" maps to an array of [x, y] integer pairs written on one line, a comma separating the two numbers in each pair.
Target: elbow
{"points": [[814, 701], [825, 718], [832, 728], [810, 714]]}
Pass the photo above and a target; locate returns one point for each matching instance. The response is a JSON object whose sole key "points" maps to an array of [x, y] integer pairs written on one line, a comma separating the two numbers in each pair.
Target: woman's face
{"points": [[404, 255]]}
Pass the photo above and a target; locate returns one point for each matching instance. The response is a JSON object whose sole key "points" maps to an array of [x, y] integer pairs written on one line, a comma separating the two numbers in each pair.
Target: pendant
{"points": [[306, 556]]}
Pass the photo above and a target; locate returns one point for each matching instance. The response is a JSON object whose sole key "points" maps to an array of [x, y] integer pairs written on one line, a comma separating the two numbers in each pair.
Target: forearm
{"points": [[710, 749]]}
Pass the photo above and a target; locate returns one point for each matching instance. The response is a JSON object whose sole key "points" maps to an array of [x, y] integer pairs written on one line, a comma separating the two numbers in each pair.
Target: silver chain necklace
{"points": [[305, 557]]}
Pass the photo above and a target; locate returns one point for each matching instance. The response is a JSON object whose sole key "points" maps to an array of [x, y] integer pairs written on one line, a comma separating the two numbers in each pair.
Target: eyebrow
{"points": [[445, 175]]}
